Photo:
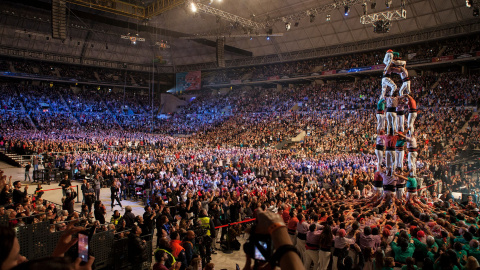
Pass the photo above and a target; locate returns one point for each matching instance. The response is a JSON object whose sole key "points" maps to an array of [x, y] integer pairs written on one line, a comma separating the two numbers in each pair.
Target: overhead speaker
{"points": [[221, 52], [59, 19]]}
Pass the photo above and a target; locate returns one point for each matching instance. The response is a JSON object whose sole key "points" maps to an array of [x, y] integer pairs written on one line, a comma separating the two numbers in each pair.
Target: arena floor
{"points": [[221, 260]]}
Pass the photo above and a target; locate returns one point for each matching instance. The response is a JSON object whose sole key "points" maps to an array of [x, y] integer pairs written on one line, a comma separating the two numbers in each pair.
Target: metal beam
{"points": [[395, 15], [113, 6], [234, 36], [228, 16], [160, 6]]}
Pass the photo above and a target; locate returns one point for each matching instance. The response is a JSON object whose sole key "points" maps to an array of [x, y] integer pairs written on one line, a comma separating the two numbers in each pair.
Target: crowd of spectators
{"points": [[69, 72]]}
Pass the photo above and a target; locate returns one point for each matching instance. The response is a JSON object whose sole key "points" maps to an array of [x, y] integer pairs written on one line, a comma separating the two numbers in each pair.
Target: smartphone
{"points": [[262, 250], [83, 246]]}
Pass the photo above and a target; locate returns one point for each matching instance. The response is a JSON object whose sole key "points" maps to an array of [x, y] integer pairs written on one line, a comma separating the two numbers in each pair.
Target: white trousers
{"points": [[378, 190], [412, 162], [411, 121], [379, 154], [387, 82], [390, 159], [391, 122], [405, 88], [400, 192], [311, 256], [411, 195], [323, 259], [399, 158], [380, 121], [301, 247], [334, 262], [401, 122]]}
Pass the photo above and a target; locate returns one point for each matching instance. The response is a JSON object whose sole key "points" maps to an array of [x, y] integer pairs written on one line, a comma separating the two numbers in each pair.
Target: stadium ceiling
{"points": [[313, 24]]}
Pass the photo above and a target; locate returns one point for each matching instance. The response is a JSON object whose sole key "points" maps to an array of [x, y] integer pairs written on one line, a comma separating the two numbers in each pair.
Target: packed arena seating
{"points": [[76, 72]]}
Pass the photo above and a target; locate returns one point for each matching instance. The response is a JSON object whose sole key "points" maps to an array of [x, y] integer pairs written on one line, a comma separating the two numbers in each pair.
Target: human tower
{"points": [[392, 135]]}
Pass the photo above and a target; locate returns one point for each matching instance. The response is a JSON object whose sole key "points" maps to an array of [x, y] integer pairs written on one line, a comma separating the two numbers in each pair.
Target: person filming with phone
{"points": [[269, 243]]}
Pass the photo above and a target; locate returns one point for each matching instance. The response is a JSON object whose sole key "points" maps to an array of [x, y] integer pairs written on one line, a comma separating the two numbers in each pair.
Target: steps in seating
{"points": [[464, 128], [287, 143], [441, 51], [17, 159]]}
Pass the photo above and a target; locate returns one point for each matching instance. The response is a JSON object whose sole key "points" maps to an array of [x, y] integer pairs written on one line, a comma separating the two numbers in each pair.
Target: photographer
{"points": [[69, 202], [89, 195], [65, 184]]}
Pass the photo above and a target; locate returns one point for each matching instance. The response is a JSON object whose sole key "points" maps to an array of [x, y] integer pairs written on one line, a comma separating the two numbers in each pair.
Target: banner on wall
{"points": [[186, 81], [442, 58], [329, 72], [465, 55], [358, 69]]}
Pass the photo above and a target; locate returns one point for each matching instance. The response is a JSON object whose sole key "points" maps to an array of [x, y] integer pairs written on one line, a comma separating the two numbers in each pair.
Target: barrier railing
{"points": [[227, 226], [78, 194]]}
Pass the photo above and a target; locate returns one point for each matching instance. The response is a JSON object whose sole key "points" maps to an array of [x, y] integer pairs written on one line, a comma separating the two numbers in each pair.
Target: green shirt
{"points": [[381, 105], [472, 252], [460, 255], [420, 247], [401, 256], [411, 182]]}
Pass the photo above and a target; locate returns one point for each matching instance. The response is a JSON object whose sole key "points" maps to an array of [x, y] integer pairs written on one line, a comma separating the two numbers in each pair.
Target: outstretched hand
{"points": [[66, 241]]}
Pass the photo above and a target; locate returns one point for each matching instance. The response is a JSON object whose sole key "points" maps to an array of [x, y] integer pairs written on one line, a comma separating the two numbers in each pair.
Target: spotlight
{"points": [[475, 12], [251, 38], [193, 7], [373, 5], [388, 3], [328, 17], [288, 26], [469, 3], [268, 38], [364, 6], [347, 10], [312, 18]]}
